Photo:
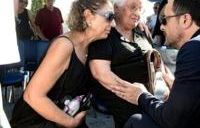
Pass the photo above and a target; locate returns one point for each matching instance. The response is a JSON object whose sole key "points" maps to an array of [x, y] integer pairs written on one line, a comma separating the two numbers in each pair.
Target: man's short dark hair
{"points": [[188, 6]]}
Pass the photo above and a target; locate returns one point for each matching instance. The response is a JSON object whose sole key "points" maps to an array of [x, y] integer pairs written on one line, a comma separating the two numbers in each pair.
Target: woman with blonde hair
{"points": [[63, 71]]}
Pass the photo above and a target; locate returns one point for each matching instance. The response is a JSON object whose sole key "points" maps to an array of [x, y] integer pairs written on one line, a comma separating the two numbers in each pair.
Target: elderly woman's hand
{"points": [[143, 27]]}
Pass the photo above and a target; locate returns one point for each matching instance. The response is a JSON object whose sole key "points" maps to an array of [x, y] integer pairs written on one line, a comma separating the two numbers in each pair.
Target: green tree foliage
{"points": [[36, 5]]}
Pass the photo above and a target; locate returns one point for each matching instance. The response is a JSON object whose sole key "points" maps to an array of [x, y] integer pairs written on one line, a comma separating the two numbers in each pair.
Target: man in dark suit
{"points": [[180, 22]]}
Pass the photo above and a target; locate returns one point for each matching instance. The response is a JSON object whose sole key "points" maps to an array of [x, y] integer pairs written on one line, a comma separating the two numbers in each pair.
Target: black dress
{"points": [[72, 82], [127, 62]]}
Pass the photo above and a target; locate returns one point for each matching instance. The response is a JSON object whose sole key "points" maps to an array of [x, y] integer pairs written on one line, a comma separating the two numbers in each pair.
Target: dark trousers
{"points": [[46, 124], [140, 121]]}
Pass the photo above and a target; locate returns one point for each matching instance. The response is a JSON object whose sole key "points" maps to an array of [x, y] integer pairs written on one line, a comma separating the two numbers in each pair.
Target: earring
{"points": [[85, 25], [89, 24]]}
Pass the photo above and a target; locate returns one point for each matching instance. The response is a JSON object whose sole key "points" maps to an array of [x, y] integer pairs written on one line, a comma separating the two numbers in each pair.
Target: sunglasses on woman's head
{"points": [[109, 16]]}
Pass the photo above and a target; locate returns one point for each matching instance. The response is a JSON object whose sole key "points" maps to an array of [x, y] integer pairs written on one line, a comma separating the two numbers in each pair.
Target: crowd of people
{"points": [[46, 24], [104, 53]]}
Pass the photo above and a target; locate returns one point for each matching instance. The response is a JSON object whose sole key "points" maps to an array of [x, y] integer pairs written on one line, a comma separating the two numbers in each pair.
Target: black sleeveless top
{"points": [[72, 82], [128, 62], [23, 28]]}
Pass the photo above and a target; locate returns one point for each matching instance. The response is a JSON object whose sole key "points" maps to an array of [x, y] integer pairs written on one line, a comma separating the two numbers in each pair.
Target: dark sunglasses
{"points": [[25, 2], [109, 16], [156, 7], [163, 18]]}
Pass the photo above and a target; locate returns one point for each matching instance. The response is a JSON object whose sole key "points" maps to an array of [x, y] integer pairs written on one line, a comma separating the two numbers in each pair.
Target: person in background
{"points": [[151, 23], [24, 22], [157, 34], [120, 57], [180, 23], [151, 20], [62, 71], [25, 28], [49, 21]]}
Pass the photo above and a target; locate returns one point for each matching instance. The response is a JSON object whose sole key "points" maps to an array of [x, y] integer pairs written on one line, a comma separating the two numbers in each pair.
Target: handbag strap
{"points": [[154, 62]]}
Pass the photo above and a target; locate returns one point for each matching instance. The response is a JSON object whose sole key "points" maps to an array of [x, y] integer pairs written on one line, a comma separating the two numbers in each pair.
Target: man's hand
{"points": [[168, 77], [129, 92]]}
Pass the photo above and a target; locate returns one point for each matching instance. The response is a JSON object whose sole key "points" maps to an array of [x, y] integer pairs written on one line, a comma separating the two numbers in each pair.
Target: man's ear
{"points": [[88, 16], [187, 20], [117, 12]]}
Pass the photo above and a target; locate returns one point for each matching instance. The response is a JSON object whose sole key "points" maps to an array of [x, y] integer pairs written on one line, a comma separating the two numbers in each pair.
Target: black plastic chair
{"points": [[41, 49], [13, 77], [31, 53]]}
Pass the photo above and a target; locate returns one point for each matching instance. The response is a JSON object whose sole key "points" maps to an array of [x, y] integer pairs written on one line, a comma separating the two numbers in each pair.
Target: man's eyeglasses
{"points": [[156, 7], [163, 18], [109, 16], [22, 1]]}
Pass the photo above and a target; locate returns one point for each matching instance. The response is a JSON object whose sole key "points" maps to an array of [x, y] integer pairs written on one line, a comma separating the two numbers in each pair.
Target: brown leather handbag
{"points": [[156, 84]]}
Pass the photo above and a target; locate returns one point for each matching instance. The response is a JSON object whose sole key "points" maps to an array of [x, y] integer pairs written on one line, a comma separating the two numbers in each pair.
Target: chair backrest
{"points": [[31, 53], [41, 48], [28, 54]]}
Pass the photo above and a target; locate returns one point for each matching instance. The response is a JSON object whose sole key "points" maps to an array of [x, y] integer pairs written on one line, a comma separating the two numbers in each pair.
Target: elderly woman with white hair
{"points": [[119, 59]]}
